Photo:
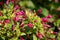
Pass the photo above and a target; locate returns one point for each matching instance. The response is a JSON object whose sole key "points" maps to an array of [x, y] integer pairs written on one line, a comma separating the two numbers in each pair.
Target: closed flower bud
{"points": [[21, 25], [0, 14], [16, 7], [49, 16], [7, 1], [21, 38], [1, 3], [56, 1], [12, 27], [30, 25], [39, 11], [39, 35], [6, 21], [56, 33], [44, 19]]}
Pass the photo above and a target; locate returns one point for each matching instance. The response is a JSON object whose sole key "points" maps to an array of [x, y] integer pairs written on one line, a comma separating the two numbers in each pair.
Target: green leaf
{"points": [[57, 23], [58, 37], [22, 34], [34, 37], [44, 11]]}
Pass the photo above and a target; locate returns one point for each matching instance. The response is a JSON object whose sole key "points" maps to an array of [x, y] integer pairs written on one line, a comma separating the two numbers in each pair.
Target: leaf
{"points": [[44, 11], [30, 4], [34, 37], [58, 37], [22, 34], [57, 23], [17, 26]]}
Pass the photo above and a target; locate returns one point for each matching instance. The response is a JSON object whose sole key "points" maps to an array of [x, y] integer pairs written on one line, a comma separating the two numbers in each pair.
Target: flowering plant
{"points": [[19, 20]]}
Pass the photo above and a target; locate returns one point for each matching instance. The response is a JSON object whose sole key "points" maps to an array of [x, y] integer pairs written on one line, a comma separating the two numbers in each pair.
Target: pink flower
{"points": [[49, 16], [56, 33], [56, 1], [29, 25], [50, 31], [51, 38], [21, 38], [15, 19], [39, 11], [46, 26], [21, 25], [11, 0], [0, 22], [6, 21], [39, 35], [0, 14], [20, 13], [16, 7], [12, 27], [7, 1], [1, 3], [44, 19]]}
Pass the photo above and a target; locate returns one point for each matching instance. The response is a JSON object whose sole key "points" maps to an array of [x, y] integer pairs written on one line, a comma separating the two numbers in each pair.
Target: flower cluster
{"points": [[29, 20]]}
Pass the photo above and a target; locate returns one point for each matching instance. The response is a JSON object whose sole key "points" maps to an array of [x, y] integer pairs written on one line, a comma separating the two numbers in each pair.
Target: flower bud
{"points": [[44, 19], [6, 21], [29, 25], [49, 16]]}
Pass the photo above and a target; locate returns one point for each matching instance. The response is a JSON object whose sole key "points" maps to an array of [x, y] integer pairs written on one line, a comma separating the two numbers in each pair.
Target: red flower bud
{"points": [[21, 25], [49, 16], [56, 1], [1, 3], [56, 33], [0, 14], [51, 38], [16, 7], [44, 19], [29, 25], [6, 21], [39, 35], [21, 38], [39, 11], [7, 1], [12, 27]]}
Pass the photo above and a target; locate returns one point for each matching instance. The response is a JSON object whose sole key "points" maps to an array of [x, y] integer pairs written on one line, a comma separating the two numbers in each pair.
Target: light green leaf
{"points": [[44, 11], [34, 37]]}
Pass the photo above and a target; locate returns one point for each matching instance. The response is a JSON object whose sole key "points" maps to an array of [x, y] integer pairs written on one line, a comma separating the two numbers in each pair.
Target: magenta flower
{"points": [[56, 1], [11, 0], [6, 21], [51, 38], [29, 25], [0, 22], [21, 25], [50, 31], [49, 16], [7, 1], [56, 33], [39, 35], [39, 11], [0, 14], [1, 3], [46, 26], [12, 27], [21, 38], [15, 19], [44, 19], [20, 13], [16, 7]]}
